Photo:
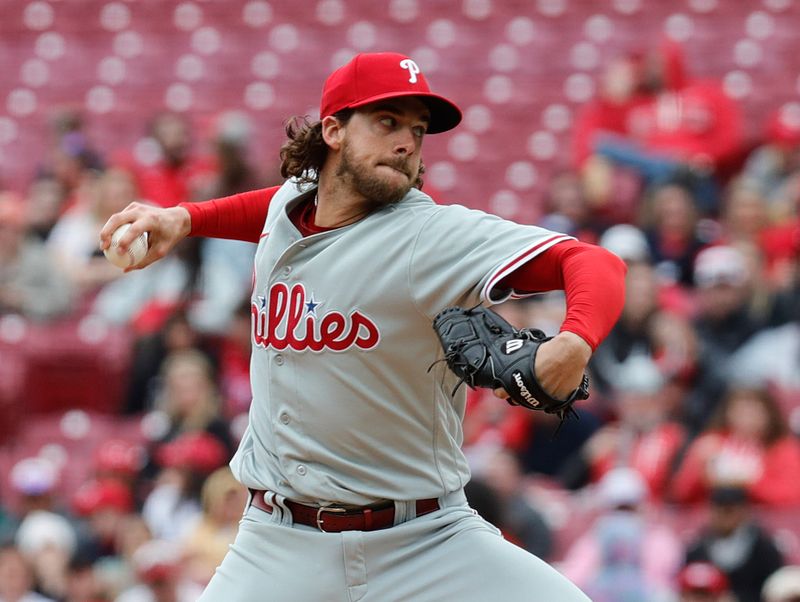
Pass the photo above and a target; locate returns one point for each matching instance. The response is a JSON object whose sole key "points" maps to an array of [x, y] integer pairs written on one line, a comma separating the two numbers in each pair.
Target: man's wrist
{"points": [[183, 220], [576, 344]]}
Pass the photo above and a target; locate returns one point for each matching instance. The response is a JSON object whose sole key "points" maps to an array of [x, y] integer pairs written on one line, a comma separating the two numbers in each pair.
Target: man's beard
{"points": [[376, 190]]}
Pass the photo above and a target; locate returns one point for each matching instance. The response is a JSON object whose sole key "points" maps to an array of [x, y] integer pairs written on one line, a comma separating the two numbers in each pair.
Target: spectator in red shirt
{"points": [[690, 120], [686, 128], [748, 443], [620, 91], [174, 173], [642, 437]]}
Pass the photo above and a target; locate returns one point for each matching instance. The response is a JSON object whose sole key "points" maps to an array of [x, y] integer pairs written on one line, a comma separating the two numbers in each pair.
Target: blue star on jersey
{"points": [[311, 306]]}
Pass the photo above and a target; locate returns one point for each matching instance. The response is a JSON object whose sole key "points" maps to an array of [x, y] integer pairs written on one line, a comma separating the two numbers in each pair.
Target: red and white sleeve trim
{"points": [[512, 264]]}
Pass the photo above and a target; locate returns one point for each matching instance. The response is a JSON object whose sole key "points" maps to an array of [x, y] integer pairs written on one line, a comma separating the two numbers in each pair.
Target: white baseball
{"points": [[136, 251]]}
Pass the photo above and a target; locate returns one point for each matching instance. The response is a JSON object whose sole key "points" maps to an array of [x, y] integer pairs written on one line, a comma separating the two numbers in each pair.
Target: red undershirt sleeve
{"points": [[237, 217], [592, 278]]}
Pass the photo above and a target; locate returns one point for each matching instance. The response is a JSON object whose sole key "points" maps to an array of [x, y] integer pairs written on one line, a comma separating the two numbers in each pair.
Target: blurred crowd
{"points": [[668, 486]]}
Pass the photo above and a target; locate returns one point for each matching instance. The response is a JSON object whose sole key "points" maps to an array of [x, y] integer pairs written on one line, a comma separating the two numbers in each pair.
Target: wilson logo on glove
{"points": [[478, 345], [523, 390]]}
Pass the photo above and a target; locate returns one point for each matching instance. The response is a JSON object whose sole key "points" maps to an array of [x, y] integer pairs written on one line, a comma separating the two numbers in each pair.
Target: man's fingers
{"points": [[132, 214], [154, 253], [501, 393]]}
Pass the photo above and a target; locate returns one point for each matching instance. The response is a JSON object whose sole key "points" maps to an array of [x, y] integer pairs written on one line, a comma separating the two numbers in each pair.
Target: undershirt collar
{"points": [[302, 216]]}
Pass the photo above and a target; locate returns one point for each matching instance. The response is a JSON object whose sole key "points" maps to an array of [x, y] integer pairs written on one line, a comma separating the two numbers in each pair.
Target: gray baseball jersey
{"points": [[344, 409]]}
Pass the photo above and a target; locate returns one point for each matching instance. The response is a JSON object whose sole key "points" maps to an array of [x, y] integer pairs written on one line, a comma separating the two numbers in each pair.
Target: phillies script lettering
{"points": [[286, 320]]}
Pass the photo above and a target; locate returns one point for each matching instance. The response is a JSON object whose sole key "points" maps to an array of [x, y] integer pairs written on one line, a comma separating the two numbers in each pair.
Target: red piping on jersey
{"points": [[525, 256]]}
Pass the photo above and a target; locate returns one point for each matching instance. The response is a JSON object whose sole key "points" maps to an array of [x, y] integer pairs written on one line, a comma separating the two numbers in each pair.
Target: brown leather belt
{"points": [[335, 519]]}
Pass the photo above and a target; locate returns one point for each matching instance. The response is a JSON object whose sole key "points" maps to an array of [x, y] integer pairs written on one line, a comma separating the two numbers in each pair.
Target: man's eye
{"points": [[389, 122], [419, 131]]}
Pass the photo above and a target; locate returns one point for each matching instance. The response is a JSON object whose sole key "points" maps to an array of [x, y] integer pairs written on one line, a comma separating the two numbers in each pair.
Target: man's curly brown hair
{"points": [[305, 151]]}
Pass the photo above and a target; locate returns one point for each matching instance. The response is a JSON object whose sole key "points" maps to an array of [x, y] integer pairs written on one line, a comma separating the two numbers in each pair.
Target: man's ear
{"points": [[332, 132]]}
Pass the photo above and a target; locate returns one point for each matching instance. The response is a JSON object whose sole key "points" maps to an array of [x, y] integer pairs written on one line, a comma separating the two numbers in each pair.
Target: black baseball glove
{"points": [[484, 350]]}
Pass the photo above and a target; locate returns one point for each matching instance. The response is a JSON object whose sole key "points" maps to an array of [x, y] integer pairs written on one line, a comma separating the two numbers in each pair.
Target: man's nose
{"points": [[406, 142]]}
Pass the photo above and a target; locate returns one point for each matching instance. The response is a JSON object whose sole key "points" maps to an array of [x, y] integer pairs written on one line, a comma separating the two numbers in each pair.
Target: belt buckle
{"points": [[332, 509]]}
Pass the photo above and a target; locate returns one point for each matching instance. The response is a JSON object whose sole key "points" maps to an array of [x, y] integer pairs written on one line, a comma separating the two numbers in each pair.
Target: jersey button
{"points": [[287, 270], [279, 360], [285, 418], [302, 470]]}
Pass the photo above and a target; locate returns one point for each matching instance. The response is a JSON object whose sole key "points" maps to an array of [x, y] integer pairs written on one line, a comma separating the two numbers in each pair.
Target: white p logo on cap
{"points": [[413, 69]]}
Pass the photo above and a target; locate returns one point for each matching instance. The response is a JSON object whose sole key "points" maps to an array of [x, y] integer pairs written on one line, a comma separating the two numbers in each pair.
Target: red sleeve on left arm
{"points": [[592, 278]]}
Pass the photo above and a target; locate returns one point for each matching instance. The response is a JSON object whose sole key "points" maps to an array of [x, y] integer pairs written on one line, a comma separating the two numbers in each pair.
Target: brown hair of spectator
{"points": [[776, 425], [206, 407]]}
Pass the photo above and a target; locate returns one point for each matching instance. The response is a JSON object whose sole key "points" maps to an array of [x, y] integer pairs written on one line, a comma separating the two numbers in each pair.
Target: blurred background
{"points": [[667, 132]]}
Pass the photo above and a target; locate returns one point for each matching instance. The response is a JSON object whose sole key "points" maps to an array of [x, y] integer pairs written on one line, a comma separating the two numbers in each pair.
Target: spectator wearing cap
{"points": [[47, 541], [703, 582], [733, 541], [172, 509], [642, 435], [724, 322], [30, 283], [34, 480], [118, 459], [748, 443], [627, 242], [103, 504], [783, 585], [624, 555], [160, 572], [33, 484]]}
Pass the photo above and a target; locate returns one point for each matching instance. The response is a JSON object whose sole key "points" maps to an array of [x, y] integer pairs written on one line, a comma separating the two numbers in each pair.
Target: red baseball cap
{"points": [[119, 455], [702, 577], [376, 76], [783, 125], [198, 452], [102, 495]]}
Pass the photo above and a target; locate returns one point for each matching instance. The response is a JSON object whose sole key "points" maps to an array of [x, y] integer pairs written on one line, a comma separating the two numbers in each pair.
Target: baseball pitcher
{"points": [[369, 309]]}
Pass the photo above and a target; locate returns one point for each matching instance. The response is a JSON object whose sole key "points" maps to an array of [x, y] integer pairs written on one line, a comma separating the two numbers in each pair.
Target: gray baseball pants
{"points": [[449, 555]]}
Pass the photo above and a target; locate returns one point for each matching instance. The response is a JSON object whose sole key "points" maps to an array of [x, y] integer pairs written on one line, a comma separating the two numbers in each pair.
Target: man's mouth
{"points": [[396, 167]]}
